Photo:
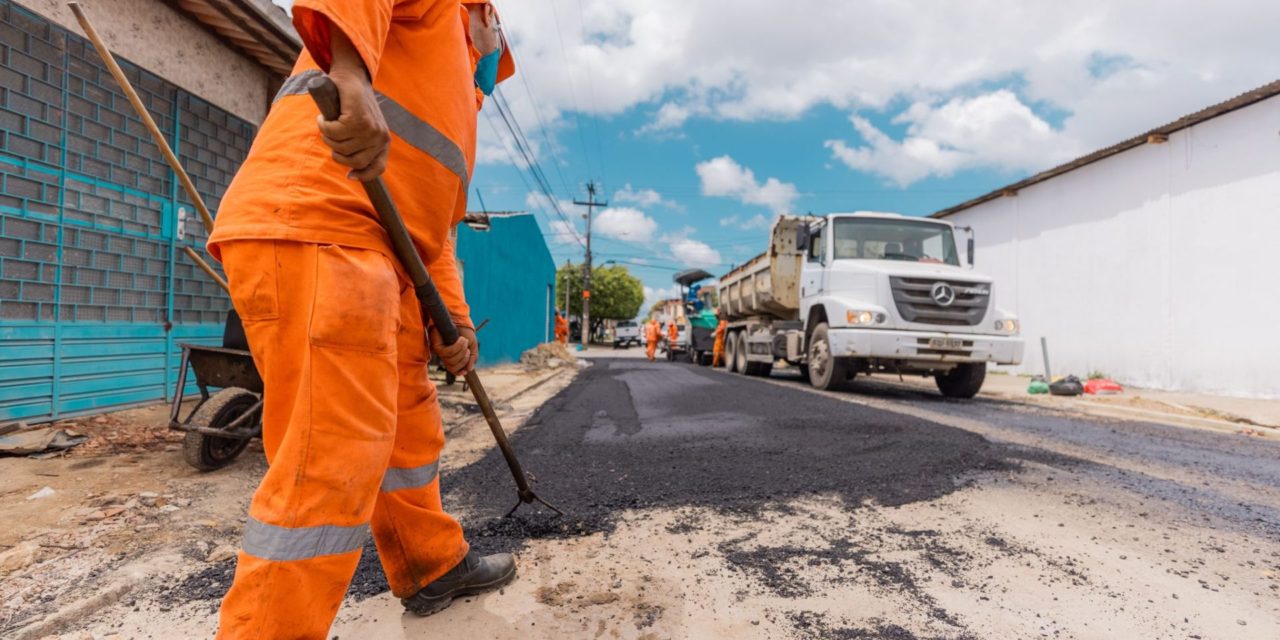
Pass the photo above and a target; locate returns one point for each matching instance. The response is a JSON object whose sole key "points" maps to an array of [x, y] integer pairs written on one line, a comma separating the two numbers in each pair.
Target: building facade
{"points": [[509, 277], [95, 293], [1153, 261]]}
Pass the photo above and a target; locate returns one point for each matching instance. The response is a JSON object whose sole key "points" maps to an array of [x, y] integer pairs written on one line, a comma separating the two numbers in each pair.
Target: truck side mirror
{"points": [[803, 237], [973, 250]]}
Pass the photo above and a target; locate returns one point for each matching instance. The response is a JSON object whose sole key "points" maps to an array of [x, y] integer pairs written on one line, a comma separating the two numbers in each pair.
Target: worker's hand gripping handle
{"points": [[325, 93]]}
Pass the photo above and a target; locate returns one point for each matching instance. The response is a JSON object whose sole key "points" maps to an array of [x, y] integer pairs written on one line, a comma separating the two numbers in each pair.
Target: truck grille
{"points": [[916, 304]]}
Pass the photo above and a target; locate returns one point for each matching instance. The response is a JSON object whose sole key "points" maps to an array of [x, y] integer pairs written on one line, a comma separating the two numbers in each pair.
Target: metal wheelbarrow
{"points": [[225, 419]]}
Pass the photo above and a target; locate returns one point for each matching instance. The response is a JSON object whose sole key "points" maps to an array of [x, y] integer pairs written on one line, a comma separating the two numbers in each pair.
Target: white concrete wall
{"points": [[151, 34], [1159, 266]]}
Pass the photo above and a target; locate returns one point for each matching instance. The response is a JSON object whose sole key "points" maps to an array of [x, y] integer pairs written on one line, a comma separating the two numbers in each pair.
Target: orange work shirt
{"points": [[420, 57]]}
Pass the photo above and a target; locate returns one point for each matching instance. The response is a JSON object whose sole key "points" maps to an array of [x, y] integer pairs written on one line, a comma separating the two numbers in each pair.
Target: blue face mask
{"points": [[487, 71]]}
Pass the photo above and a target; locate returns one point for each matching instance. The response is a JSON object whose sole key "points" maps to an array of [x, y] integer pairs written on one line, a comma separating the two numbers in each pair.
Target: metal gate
{"points": [[94, 292]]}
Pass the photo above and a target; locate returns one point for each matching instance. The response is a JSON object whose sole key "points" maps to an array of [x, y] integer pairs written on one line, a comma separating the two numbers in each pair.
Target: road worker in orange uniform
{"points": [[562, 329], [717, 349], [651, 337], [673, 337], [352, 426]]}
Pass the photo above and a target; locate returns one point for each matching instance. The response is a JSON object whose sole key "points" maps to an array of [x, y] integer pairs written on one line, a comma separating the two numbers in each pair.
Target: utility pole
{"points": [[566, 289], [590, 204]]}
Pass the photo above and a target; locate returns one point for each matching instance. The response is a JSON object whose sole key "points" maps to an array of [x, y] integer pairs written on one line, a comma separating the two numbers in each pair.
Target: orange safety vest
{"points": [[420, 57]]}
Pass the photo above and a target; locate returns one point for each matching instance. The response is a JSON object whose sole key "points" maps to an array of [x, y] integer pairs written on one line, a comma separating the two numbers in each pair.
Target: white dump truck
{"points": [[866, 292]]}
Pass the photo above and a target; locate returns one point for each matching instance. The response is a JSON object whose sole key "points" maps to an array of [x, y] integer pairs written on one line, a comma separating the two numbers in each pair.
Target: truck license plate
{"points": [[946, 343]]}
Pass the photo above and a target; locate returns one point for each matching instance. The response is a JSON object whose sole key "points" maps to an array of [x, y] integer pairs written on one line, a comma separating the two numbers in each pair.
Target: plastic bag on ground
{"points": [[1038, 386], [1068, 386], [1103, 387]]}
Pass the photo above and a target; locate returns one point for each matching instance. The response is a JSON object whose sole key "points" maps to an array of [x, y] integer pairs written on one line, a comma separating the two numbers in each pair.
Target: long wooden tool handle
{"points": [[204, 266], [325, 94], [141, 109]]}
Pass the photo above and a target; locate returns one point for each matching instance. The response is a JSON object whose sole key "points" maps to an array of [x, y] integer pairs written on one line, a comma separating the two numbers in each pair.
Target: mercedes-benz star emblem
{"points": [[943, 294]]}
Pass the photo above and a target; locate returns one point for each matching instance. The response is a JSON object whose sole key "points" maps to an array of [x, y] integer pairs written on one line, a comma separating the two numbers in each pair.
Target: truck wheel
{"points": [[964, 381], [209, 453], [826, 371], [731, 353], [740, 353]]}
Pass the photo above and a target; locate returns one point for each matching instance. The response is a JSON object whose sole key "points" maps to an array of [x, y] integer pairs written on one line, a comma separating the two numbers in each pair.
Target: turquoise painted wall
{"points": [[94, 293], [506, 272]]}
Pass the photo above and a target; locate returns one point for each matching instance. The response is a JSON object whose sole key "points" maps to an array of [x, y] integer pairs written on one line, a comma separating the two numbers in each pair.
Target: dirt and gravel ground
{"points": [[705, 505]]}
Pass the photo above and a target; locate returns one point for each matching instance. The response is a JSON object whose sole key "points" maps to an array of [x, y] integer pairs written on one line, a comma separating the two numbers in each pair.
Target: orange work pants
{"points": [[717, 351], [352, 432], [651, 349]]}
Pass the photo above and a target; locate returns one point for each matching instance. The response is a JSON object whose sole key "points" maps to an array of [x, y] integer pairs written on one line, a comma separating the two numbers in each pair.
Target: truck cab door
{"points": [[813, 272]]}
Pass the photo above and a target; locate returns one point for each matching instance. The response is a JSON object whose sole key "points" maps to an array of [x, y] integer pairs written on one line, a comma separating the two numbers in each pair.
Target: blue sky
{"points": [[703, 120]]}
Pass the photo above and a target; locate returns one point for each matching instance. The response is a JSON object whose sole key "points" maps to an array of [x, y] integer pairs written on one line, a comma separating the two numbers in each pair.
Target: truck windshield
{"points": [[906, 240]]}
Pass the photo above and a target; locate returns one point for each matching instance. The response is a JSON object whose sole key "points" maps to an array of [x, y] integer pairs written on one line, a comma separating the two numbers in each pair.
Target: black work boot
{"points": [[474, 575]]}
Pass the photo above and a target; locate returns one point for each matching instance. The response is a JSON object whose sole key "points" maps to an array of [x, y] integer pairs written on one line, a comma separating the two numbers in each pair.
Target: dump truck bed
{"points": [[769, 284]]}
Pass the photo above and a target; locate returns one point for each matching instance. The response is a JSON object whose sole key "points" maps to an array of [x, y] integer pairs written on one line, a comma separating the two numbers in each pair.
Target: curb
{"points": [[1172, 419], [449, 429]]}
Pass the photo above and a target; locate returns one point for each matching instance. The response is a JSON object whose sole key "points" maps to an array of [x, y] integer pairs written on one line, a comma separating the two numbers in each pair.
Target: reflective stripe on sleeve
{"points": [[297, 85], [408, 127], [398, 478], [270, 542]]}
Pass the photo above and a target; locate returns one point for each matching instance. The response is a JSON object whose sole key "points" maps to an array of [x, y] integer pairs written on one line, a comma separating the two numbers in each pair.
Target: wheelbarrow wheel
{"points": [[208, 453]]}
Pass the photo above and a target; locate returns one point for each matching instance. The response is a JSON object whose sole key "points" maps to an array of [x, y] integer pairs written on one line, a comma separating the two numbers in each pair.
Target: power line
{"points": [[591, 91], [573, 93], [507, 148], [531, 161], [551, 147]]}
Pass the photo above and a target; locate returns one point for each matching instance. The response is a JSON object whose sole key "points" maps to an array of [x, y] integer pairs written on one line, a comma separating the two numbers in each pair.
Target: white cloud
{"points": [[724, 177], [625, 223], [993, 130], [758, 221], [561, 232], [642, 197], [693, 253]]}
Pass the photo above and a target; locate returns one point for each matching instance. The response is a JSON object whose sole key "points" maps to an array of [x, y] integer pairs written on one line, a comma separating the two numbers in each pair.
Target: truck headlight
{"points": [[860, 317], [1007, 326]]}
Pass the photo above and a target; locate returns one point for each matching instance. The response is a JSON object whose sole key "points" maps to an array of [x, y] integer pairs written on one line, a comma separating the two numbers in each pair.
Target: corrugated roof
{"points": [[1160, 133], [257, 28]]}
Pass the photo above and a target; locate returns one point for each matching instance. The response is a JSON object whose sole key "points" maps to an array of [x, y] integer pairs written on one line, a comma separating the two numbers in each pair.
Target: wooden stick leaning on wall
{"points": [[158, 137], [195, 257]]}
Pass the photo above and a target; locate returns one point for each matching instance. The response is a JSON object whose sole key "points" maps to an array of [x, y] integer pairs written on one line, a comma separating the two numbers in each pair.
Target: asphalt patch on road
{"points": [[631, 435]]}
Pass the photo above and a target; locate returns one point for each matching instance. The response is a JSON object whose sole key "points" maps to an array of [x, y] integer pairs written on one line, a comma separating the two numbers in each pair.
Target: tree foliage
{"points": [[615, 293]]}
